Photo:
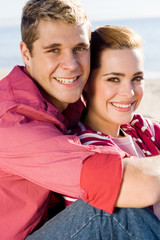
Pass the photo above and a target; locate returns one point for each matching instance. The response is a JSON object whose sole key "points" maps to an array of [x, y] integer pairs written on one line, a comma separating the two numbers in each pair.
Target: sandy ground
{"points": [[150, 105], [3, 72]]}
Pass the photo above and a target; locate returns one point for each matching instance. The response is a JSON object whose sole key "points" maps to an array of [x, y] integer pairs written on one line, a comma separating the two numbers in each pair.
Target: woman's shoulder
{"points": [[144, 122]]}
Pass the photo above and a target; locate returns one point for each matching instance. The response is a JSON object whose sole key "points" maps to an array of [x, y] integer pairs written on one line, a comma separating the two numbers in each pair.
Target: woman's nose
{"points": [[127, 90]]}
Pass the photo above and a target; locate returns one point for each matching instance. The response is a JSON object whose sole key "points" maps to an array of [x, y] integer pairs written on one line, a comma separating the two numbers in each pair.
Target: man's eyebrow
{"points": [[53, 45], [83, 44]]}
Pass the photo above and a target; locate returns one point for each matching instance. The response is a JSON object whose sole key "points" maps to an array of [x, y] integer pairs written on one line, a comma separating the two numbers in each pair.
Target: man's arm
{"points": [[39, 152], [139, 188]]}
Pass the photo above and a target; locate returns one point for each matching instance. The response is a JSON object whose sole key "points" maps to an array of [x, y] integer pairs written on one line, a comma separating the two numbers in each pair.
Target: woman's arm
{"points": [[141, 182]]}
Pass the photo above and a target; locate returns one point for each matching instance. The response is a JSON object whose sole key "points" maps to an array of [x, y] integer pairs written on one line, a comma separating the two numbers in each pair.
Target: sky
{"points": [[10, 10]]}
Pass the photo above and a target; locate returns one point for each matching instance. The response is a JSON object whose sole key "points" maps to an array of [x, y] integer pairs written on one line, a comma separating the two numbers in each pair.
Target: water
{"points": [[148, 28], [9, 47]]}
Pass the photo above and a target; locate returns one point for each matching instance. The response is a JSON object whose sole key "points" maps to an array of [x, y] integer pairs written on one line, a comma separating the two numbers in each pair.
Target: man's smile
{"points": [[66, 80]]}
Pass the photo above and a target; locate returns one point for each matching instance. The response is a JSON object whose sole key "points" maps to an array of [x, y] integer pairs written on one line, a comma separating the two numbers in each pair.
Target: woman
{"points": [[113, 93]]}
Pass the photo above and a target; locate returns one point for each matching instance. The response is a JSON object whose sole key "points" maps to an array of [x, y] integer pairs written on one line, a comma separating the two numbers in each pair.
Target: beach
{"points": [[4, 72], [150, 105]]}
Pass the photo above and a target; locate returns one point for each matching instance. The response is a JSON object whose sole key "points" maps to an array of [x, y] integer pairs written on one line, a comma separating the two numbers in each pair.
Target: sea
{"points": [[148, 28]]}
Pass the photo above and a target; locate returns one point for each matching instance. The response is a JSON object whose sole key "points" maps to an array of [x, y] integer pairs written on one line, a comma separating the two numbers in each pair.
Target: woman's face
{"points": [[115, 89]]}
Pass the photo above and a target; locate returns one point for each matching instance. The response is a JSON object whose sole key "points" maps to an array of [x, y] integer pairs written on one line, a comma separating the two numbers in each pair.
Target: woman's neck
{"points": [[105, 127]]}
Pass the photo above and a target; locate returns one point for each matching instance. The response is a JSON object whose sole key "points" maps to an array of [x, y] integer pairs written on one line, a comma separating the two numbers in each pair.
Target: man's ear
{"points": [[25, 53]]}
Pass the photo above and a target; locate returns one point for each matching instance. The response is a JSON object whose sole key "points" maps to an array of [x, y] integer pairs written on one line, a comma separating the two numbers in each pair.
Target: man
{"points": [[36, 155]]}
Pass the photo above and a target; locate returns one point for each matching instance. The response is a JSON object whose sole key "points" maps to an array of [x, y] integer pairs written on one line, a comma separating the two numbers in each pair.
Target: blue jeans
{"points": [[81, 221]]}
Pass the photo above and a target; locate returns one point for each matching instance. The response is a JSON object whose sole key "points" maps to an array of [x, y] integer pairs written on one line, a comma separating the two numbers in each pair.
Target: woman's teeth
{"points": [[66, 80], [121, 105]]}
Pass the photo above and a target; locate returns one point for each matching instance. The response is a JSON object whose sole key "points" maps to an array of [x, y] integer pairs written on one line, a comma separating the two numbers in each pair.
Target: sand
{"points": [[4, 72], [150, 105]]}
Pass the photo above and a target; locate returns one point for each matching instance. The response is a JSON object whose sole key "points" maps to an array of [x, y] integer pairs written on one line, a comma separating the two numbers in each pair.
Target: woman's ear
{"points": [[26, 56]]}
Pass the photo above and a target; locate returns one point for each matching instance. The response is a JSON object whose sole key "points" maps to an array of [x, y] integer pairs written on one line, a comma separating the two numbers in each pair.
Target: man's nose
{"points": [[69, 61]]}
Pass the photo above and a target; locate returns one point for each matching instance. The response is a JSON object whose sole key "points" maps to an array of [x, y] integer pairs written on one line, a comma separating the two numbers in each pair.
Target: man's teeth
{"points": [[121, 105], [66, 80]]}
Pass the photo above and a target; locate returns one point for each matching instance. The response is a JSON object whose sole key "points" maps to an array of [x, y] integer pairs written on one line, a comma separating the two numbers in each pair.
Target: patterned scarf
{"points": [[145, 132]]}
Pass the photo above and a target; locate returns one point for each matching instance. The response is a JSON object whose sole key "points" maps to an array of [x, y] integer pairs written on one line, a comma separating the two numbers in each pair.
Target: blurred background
{"points": [[142, 16]]}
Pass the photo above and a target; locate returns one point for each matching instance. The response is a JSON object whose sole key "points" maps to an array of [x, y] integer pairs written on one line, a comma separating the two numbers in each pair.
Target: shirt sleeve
{"points": [[101, 180]]}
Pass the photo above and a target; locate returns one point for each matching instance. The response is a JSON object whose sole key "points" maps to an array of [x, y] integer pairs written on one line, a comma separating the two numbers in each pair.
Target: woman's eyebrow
{"points": [[121, 74], [138, 73], [114, 73]]}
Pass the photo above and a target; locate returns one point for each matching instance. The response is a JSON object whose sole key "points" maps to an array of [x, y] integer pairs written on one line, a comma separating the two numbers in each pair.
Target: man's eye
{"points": [[79, 49], [54, 50]]}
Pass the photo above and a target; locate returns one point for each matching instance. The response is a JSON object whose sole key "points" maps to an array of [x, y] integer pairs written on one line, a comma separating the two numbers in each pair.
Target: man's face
{"points": [[60, 60]]}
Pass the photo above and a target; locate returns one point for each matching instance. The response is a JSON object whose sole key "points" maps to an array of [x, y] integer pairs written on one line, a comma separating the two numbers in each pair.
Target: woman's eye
{"points": [[138, 78], [113, 80]]}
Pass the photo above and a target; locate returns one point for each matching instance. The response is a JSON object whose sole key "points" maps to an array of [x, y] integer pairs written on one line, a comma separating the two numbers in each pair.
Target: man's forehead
{"points": [[58, 32], [58, 26]]}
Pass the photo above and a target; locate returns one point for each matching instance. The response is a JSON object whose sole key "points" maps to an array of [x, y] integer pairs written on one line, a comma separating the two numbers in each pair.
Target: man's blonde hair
{"points": [[68, 11]]}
